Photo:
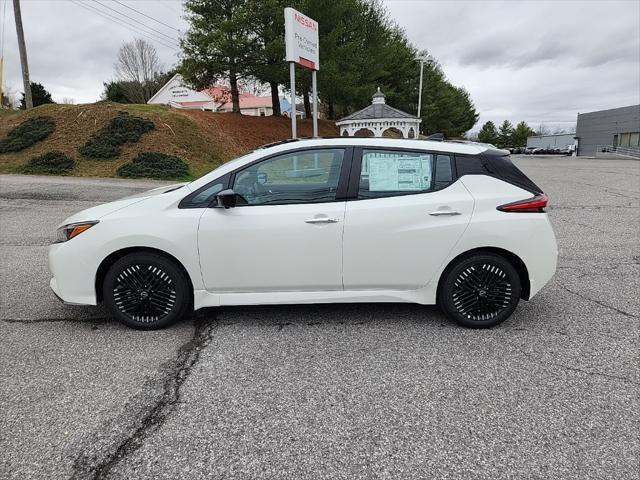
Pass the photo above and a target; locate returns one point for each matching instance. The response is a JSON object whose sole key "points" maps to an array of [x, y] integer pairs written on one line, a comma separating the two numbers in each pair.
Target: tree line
{"points": [[361, 49], [505, 136], [240, 42], [509, 136]]}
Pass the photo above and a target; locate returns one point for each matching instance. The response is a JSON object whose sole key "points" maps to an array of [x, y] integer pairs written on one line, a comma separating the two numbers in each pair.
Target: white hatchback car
{"points": [[318, 221]]}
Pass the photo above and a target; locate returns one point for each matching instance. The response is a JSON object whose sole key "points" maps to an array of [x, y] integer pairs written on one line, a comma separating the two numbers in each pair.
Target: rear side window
{"points": [[387, 173], [444, 172]]}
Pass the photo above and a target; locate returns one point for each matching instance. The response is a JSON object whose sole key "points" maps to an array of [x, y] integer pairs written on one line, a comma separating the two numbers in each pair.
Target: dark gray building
{"points": [[617, 127]]}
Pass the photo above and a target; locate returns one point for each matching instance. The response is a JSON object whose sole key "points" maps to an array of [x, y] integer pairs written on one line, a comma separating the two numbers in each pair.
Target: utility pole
{"points": [[421, 59], [23, 55]]}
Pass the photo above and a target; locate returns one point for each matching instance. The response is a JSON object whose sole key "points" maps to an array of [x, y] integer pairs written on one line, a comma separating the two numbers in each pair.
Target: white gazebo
{"points": [[378, 118]]}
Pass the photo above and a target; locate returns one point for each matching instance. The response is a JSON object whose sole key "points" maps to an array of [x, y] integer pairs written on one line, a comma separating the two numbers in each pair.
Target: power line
{"points": [[130, 26], [136, 21], [122, 23], [145, 15]]}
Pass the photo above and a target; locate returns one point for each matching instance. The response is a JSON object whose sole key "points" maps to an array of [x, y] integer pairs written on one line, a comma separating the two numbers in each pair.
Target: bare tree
{"points": [[137, 67], [10, 98], [543, 130], [68, 101], [254, 86]]}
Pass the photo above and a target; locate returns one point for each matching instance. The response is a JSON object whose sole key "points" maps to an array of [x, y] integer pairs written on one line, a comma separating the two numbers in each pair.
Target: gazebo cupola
{"points": [[378, 119]]}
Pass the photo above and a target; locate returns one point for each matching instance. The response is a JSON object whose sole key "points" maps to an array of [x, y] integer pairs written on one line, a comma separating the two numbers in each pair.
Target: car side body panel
{"points": [[529, 236], [153, 223], [399, 242]]}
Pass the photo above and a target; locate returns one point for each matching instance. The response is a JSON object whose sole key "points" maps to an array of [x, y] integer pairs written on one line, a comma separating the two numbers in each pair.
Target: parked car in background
{"points": [[318, 221]]}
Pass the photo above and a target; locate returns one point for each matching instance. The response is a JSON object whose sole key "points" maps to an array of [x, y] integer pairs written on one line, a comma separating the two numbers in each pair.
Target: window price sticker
{"points": [[399, 174]]}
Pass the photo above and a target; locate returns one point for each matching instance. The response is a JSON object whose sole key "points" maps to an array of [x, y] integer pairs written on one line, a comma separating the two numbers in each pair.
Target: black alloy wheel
{"points": [[480, 291], [146, 291]]}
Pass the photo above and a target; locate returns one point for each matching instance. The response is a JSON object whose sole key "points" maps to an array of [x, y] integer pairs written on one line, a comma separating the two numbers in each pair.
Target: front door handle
{"points": [[322, 220], [444, 213]]}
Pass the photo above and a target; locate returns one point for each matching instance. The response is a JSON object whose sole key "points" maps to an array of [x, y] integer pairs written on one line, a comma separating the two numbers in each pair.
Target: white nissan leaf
{"points": [[318, 221]]}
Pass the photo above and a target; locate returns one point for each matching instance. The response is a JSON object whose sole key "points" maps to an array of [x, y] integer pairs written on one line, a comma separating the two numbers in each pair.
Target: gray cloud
{"points": [[539, 61]]}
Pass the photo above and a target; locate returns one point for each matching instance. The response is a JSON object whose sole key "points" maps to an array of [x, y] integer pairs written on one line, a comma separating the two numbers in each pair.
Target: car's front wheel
{"points": [[147, 291], [480, 290]]}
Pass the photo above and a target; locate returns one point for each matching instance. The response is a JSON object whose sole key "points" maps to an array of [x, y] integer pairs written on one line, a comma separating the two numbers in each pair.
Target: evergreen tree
{"points": [[361, 49], [267, 21], [505, 136], [520, 134], [220, 43], [39, 95], [488, 133]]}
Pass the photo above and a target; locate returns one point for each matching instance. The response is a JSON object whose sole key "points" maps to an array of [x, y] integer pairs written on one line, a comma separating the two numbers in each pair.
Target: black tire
{"points": [[147, 291], [480, 290]]}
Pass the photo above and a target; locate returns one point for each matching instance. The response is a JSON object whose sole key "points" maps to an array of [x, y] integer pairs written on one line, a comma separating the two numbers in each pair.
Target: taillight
{"points": [[536, 204]]}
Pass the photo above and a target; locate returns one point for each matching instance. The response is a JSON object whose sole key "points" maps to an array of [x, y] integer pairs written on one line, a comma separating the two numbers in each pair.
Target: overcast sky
{"points": [[538, 61]]}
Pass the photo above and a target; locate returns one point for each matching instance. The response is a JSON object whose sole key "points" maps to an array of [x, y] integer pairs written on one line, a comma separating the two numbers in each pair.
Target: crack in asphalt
{"points": [[598, 302], [45, 320], [553, 208], [154, 415], [580, 370]]}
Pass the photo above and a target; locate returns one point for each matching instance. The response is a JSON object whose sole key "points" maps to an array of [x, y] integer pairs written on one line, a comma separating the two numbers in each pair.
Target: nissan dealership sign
{"points": [[301, 39]]}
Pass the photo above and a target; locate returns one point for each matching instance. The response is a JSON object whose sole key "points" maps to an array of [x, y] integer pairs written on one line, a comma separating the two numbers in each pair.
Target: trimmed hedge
{"points": [[27, 133], [51, 162], [123, 128], [154, 165]]}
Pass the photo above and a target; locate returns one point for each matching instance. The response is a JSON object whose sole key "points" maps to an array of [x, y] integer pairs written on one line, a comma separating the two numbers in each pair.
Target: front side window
{"points": [[386, 173], [204, 196], [309, 176]]}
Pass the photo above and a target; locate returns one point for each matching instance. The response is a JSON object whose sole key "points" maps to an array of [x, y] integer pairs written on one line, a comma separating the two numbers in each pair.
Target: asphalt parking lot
{"points": [[333, 391]]}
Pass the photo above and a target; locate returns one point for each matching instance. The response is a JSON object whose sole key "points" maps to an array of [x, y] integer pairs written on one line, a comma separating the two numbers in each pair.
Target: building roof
{"points": [[196, 103], [248, 100], [377, 109]]}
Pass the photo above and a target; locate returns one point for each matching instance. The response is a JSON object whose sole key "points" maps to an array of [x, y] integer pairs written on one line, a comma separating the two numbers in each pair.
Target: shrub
{"points": [[154, 165], [51, 162], [27, 133], [122, 129]]}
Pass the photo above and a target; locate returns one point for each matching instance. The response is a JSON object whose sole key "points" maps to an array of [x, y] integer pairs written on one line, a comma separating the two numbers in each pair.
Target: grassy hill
{"points": [[203, 140]]}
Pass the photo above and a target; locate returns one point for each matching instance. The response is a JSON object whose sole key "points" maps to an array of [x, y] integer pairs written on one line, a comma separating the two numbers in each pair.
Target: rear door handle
{"points": [[444, 213], [322, 220]]}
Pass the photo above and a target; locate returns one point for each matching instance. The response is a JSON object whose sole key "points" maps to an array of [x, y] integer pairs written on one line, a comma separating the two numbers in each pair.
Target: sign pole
{"points": [[292, 76], [301, 47], [314, 88]]}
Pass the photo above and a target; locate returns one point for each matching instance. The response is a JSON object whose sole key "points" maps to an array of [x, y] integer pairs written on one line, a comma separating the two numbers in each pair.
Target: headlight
{"points": [[67, 232]]}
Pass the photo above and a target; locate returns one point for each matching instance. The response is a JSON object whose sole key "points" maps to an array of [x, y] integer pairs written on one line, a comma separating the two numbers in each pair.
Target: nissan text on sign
{"points": [[301, 39]]}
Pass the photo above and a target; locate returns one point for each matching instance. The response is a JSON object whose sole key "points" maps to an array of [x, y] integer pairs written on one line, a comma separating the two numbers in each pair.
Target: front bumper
{"points": [[73, 279]]}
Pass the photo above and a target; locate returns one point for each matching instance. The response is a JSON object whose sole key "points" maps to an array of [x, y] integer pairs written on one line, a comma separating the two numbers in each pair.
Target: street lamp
{"points": [[421, 59]]}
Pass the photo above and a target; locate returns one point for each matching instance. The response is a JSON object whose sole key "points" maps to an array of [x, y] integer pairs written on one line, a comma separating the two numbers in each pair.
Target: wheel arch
{"points": [[511, 257], [118, 254]]}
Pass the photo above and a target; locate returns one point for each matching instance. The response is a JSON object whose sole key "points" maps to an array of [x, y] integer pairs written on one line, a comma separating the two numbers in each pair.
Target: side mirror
{"points": [[226, 199]]}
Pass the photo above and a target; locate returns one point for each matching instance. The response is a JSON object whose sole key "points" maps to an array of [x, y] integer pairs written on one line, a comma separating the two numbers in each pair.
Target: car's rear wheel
{"points": [[480, 290], [146, 291]]}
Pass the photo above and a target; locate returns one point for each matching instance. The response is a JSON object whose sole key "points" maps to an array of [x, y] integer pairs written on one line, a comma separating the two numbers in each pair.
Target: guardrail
{"points": [[629, 152]]}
